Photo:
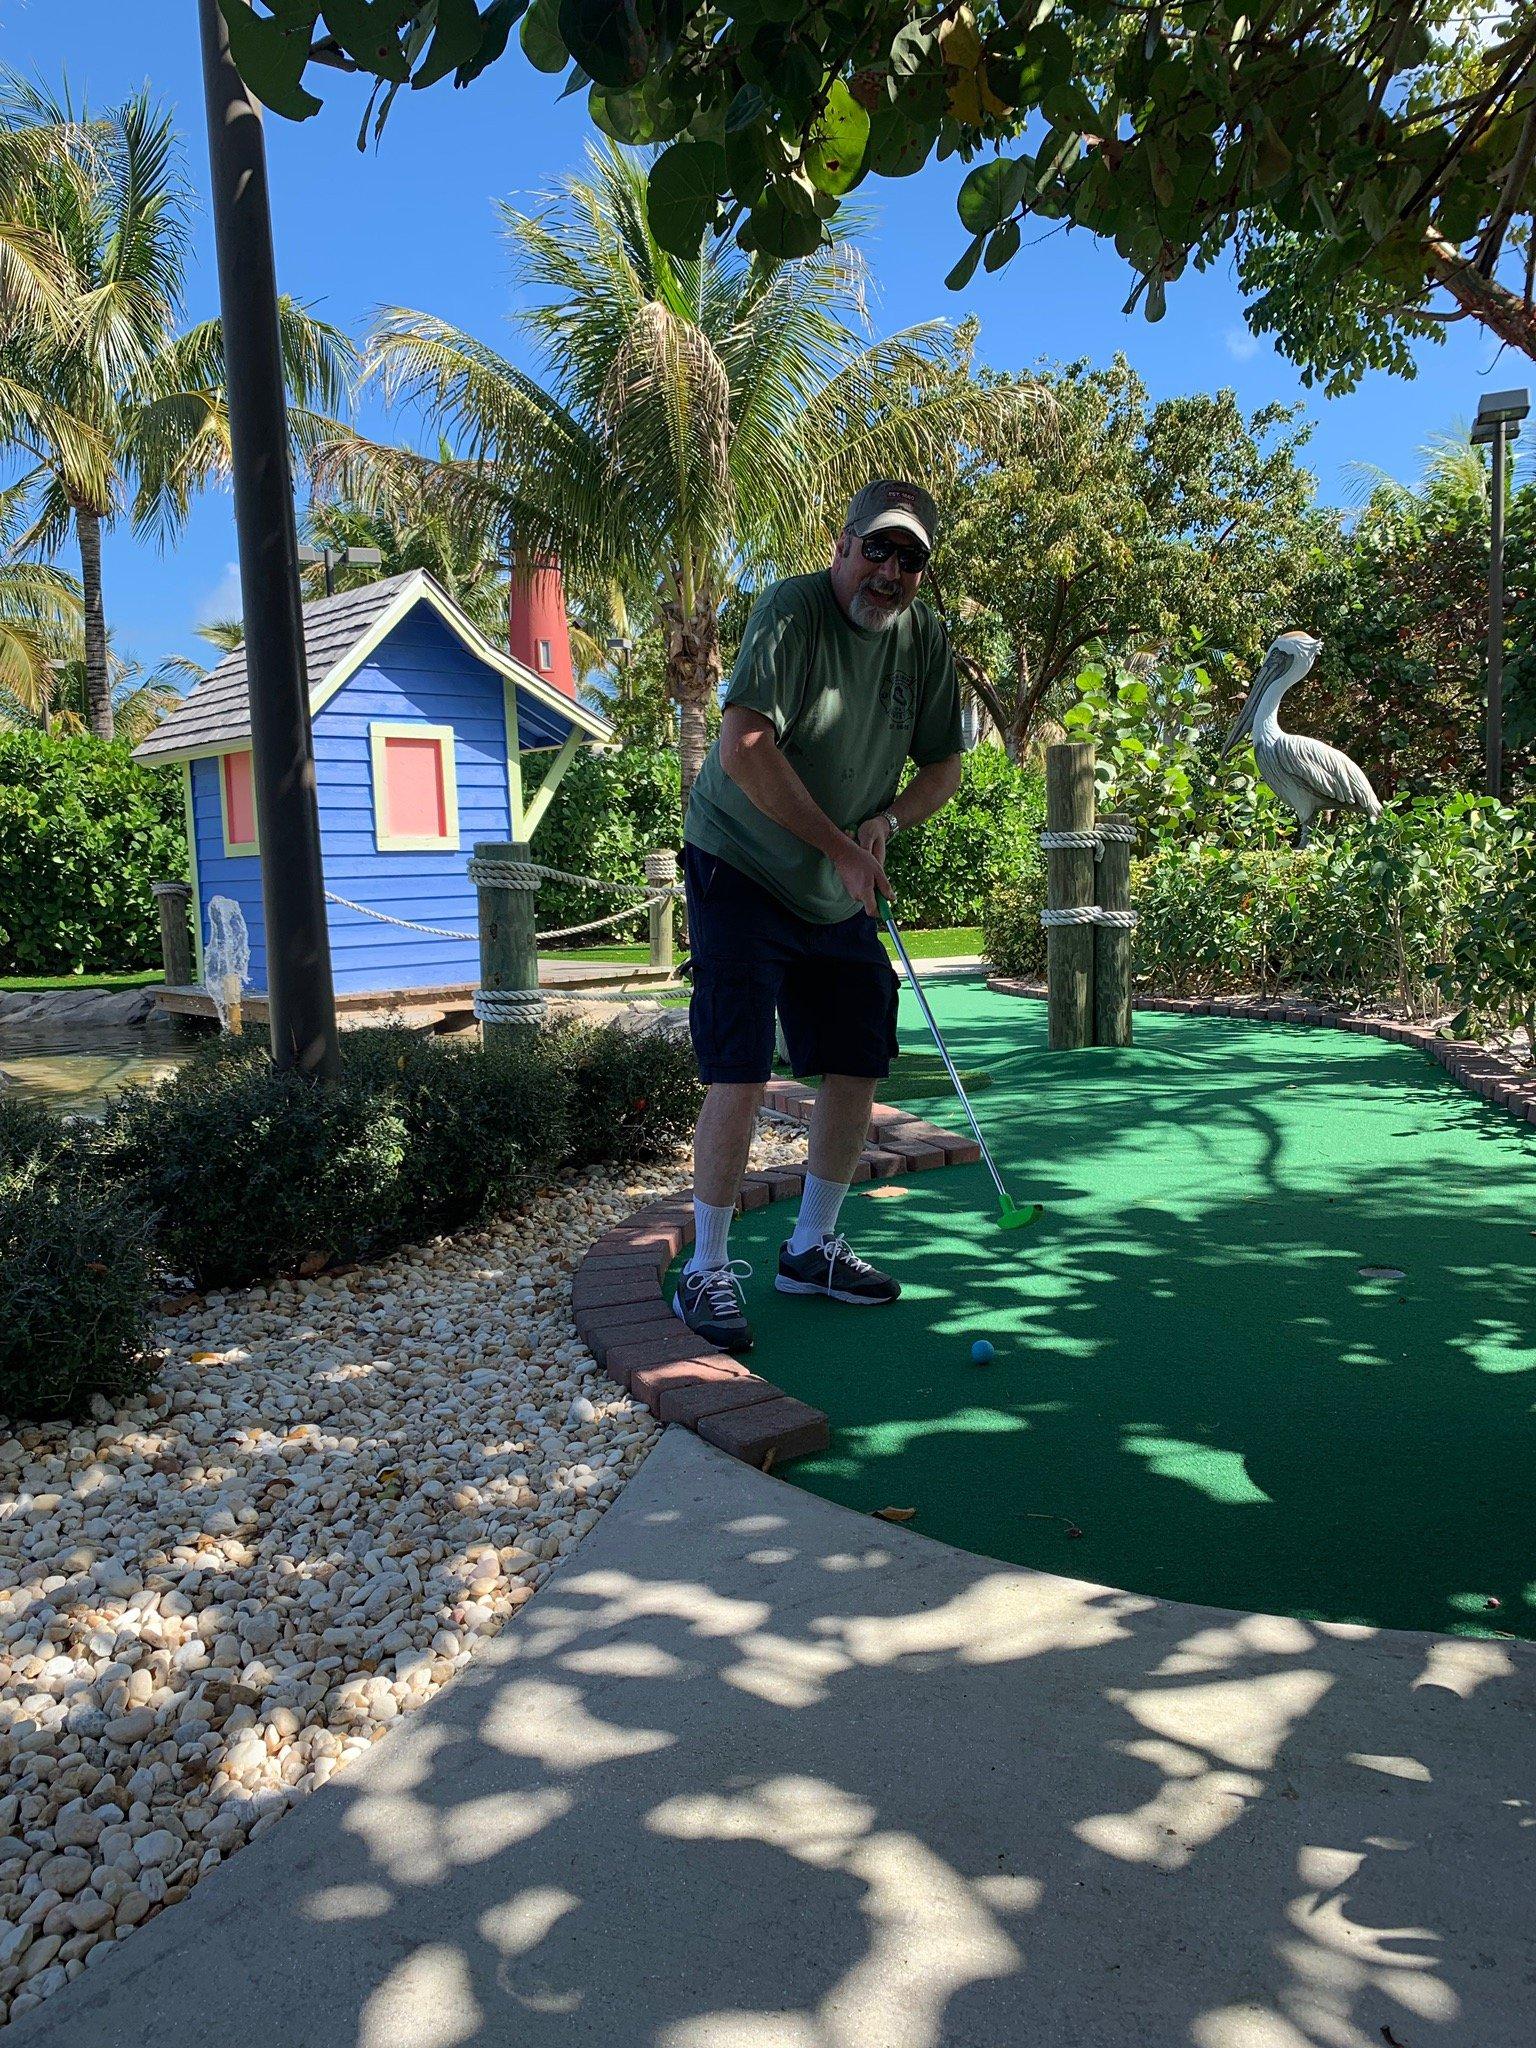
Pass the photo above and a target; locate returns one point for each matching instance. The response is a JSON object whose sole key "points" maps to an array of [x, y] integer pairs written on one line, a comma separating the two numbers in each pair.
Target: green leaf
{"points": [[835, 160], [1002, 246], [270, 55], [369, 31], [911, 48], [776, 228], [684, 187], [541, 39], [965, 269], [496, 26], [1274, 160], [902, 133], [640, 117], [606, 39], [457, 41], [1157, 298], [748, 106], [992, 191]]}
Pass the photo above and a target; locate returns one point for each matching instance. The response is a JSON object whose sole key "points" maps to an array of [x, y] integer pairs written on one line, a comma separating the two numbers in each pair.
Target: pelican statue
{"points": [[1306, 774]]}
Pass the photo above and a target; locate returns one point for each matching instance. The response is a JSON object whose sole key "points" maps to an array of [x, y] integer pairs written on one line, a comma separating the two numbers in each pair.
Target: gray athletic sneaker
{"points": [[710, 1304], [834, 1268]]}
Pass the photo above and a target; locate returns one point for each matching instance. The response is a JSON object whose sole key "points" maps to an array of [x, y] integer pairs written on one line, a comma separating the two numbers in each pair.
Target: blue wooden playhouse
{"points": [[422, 729]]}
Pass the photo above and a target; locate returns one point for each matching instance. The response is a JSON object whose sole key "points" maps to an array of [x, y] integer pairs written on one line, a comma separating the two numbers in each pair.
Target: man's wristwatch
{"points": [[893, 822]]}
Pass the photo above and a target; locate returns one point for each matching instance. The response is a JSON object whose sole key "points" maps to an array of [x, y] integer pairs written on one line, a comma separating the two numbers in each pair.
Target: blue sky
{"points": [[413, 224]]}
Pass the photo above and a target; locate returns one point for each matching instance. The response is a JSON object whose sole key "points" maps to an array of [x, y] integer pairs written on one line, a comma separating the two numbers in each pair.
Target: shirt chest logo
{"points": [[898, 700]]}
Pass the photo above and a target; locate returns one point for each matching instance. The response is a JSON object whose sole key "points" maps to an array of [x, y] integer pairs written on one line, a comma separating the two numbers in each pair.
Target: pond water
{"points": [[78, 1067]]}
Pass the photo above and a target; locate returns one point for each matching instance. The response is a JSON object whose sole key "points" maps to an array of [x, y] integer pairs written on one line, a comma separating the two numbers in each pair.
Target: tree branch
{"points": [[1489, 302]]}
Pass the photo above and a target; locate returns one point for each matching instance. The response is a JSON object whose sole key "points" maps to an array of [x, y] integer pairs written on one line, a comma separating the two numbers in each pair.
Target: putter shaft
{"points": [[938, 1039]]}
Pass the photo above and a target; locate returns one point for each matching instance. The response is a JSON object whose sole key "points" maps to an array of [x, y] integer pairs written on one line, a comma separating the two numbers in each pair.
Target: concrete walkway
{"points": [[755, 1772]]}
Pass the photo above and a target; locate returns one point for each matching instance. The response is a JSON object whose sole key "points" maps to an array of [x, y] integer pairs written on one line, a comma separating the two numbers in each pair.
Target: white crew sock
{"points": [[711, 1235], [818, 1212]]}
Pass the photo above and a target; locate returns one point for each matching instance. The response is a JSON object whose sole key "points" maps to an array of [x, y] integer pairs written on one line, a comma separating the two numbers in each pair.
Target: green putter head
{"points": [[1015, 1216]]}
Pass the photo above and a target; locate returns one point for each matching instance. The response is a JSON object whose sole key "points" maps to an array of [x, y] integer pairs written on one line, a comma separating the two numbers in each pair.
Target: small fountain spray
{"points": [[226, 960]]}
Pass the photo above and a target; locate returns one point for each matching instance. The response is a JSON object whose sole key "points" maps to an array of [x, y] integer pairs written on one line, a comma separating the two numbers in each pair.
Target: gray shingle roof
{"points": [[217, 712]]}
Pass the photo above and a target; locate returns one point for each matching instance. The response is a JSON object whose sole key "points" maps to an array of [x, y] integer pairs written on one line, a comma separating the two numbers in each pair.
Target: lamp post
{"points": [[1499, 414], [339, 558], [301, 1001]]}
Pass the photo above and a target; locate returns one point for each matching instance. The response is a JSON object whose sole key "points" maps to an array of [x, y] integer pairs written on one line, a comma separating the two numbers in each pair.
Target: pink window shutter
{"points": [[415, 795]]}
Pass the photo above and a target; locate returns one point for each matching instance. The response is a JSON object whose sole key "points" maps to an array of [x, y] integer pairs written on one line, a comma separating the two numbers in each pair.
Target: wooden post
{"points": [[175, 940], [661, 873], [1069, 808], [507, 1001], [1113, 944]]}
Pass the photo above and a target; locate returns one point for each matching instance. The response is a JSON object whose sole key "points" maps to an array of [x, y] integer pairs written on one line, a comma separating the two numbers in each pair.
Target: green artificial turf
{"points": [[1193, 1370]]}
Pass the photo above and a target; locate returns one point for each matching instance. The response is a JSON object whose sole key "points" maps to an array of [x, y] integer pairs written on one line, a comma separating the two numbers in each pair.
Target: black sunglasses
{"points": [[913, 560]]}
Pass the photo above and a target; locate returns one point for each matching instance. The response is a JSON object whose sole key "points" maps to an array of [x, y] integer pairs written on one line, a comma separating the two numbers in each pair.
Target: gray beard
{"points": [[872, 617]]}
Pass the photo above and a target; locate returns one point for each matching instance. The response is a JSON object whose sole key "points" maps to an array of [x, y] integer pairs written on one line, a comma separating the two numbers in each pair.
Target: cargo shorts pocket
{"points": [[731, 1016]]}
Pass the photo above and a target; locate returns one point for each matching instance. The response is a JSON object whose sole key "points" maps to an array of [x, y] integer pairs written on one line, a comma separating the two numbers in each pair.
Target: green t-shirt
{"points": [[849, 705]]}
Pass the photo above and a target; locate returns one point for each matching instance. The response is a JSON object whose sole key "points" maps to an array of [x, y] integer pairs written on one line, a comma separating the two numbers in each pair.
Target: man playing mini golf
{"points": [[842, 677]]}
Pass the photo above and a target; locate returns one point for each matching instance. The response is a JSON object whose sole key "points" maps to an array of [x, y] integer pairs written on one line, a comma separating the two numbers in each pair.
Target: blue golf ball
{"points": [[982, 1352]]}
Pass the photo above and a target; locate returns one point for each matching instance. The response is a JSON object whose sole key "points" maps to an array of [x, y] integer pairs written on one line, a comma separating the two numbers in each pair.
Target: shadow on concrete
{"points": [[753, 1772]]}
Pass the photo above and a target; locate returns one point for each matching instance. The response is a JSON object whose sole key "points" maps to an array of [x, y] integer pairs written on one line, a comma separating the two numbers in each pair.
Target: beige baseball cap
{"points": [[889, 502]]}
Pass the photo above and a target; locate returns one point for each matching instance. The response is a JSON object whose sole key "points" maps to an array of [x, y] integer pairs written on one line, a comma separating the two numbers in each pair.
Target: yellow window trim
{"points": [[382, 729], [235, 849]]}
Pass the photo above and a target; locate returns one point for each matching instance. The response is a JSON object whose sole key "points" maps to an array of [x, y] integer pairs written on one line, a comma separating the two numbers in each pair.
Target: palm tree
{"points": [[104, 405], [411, 531], [698, 419], [39, 610]]}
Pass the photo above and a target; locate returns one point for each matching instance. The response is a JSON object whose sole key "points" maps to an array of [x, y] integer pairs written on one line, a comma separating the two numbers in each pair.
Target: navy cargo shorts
{"points": [[749, 956]]}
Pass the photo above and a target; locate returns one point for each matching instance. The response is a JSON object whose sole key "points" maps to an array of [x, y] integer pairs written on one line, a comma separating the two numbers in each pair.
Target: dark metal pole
{"points": [[300, 997], [1495, 730]]}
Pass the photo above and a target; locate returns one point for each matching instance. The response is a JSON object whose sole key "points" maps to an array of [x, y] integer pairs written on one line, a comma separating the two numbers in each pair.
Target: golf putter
{"points": [[1012, 1216]]}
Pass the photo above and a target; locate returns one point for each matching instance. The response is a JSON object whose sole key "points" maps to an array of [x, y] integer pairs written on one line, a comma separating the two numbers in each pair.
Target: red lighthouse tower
{"points": [[538, 632]]}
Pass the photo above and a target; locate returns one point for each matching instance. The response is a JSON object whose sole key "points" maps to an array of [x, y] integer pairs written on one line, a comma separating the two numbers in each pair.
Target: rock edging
{"points": [[631, 1331], [1478, 1069]]}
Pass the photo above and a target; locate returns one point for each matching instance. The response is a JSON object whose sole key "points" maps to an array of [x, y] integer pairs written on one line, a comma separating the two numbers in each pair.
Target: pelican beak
{"points": [[1274, 665], [1242, 723]]}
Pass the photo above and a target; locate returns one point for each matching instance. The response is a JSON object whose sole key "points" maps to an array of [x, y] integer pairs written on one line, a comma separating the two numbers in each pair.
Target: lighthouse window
{"points": [[542, 655]]}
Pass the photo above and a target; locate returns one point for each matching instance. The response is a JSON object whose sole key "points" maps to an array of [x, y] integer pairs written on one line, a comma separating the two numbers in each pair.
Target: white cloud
{"points": [[223, 601], [1241, 344]]}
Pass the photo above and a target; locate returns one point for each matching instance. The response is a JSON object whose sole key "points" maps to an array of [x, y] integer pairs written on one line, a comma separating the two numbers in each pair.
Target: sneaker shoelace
{"points": [[838, 1248], [720, 1286]]}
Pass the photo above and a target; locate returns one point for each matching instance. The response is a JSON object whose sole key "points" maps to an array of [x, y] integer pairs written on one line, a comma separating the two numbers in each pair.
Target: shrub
{"points": [[29, 1132], [633, 1095], [479, 1126], [1012, 935], [608, 813], [1370, 909], [77, 1275], [984, 839], [1490, 973], [250, 1172], [83, 833]]}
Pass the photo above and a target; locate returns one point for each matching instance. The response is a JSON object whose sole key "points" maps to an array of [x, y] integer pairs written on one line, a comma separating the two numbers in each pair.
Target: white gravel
{"points": [[214, 1598]]}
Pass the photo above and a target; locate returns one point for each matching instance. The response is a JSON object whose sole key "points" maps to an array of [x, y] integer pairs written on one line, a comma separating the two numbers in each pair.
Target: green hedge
{"points": [[77, 1272], [986, 837], [1430, 905], [609, 812], [232, 1172], [83, 833], [252, 1172]]}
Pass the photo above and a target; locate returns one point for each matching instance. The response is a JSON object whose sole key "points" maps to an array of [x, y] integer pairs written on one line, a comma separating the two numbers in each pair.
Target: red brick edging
{"points": [[1478, 1069], [633, 1334]]}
